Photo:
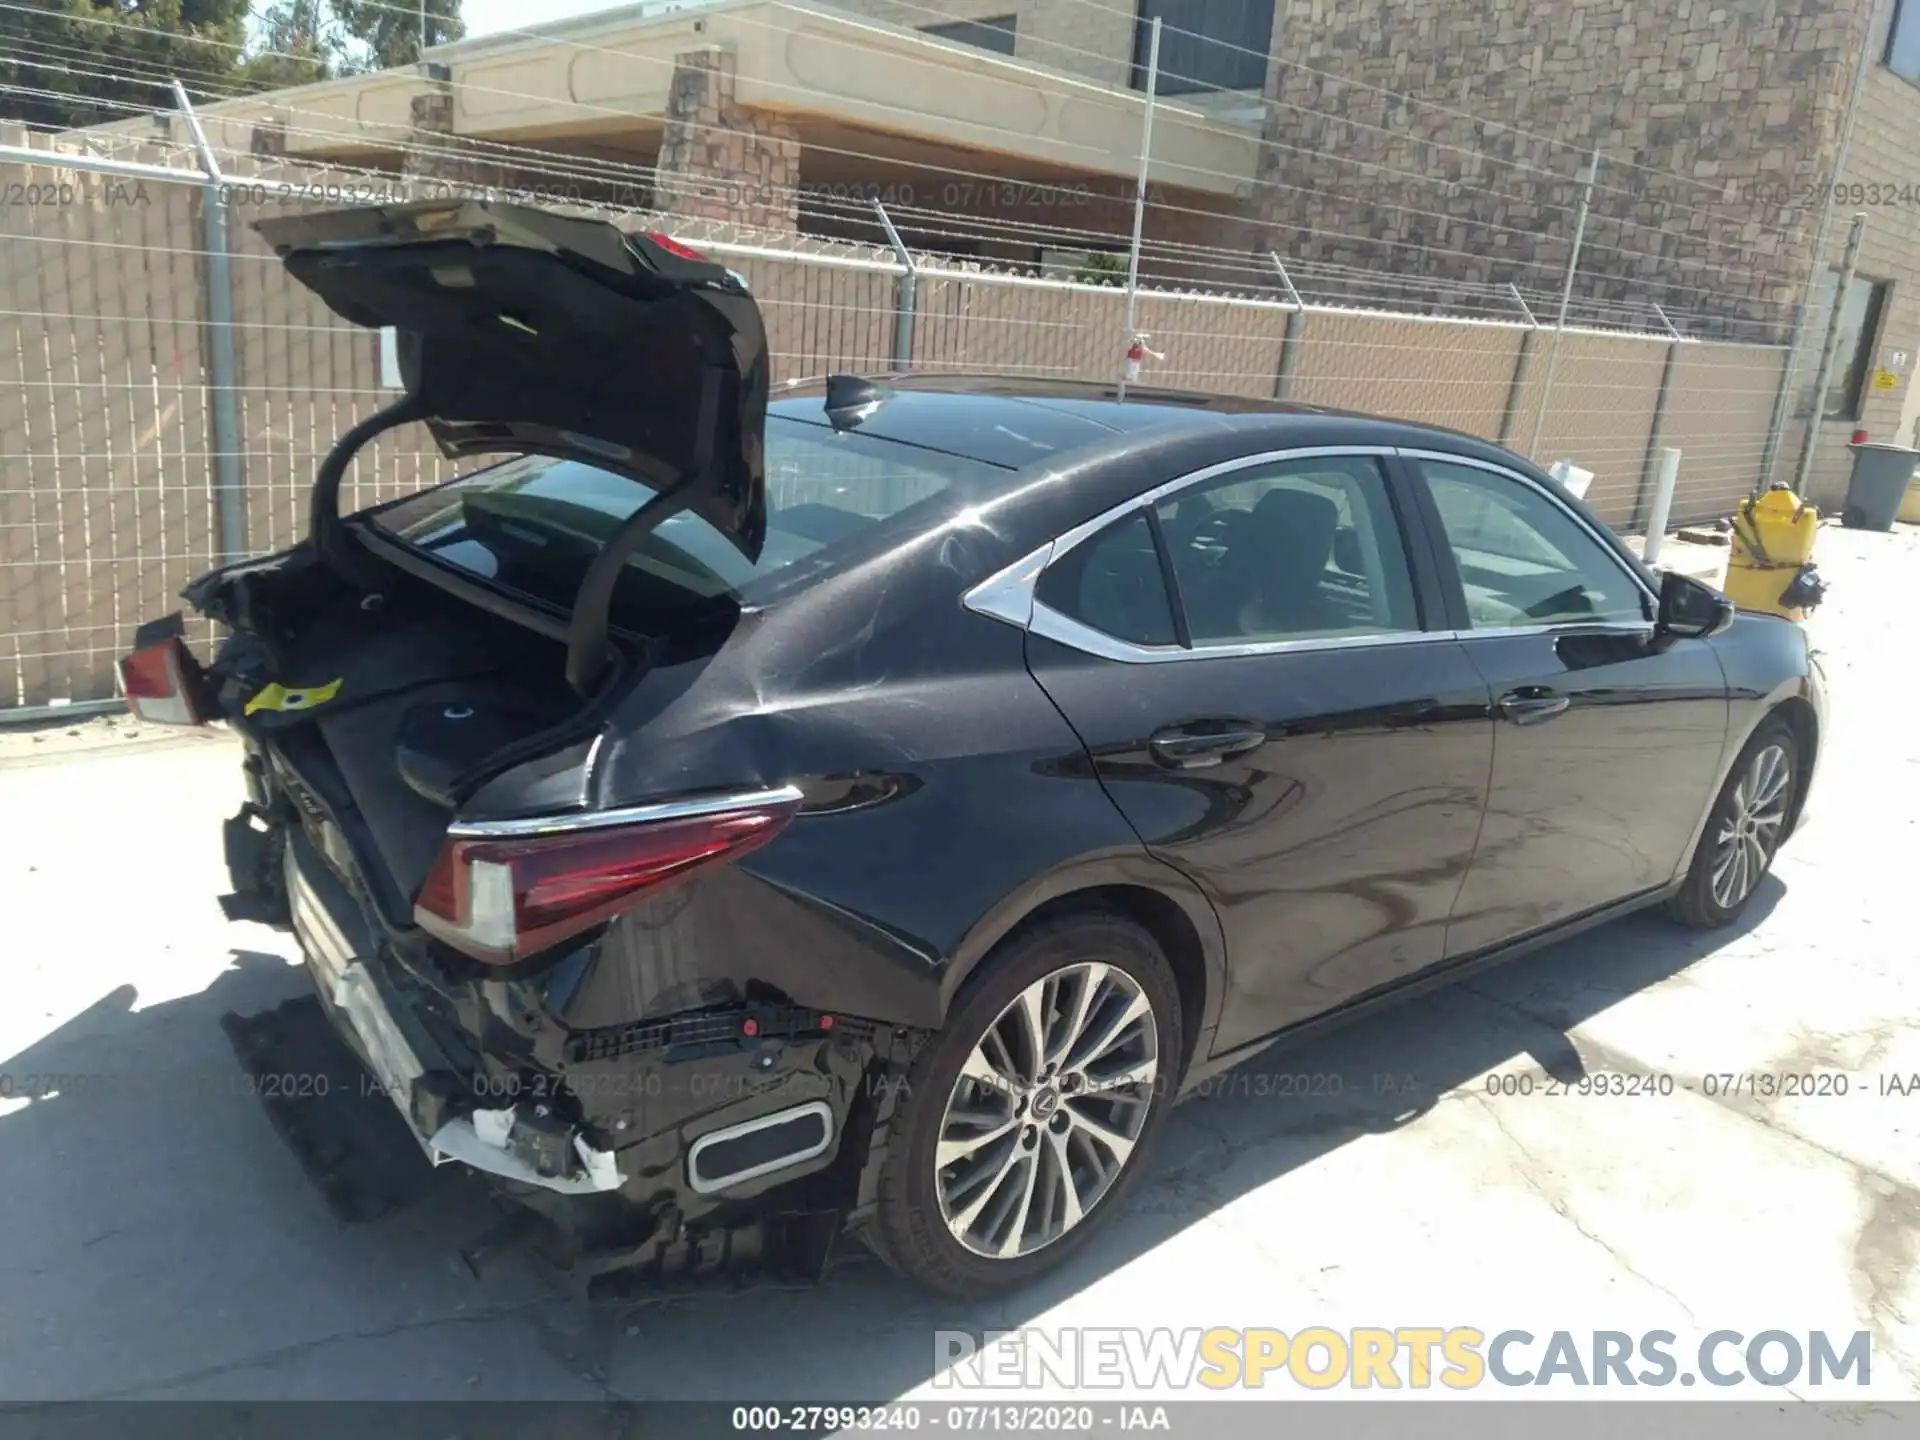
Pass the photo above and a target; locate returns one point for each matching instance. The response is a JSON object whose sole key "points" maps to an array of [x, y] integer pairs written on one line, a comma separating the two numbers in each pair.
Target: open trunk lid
{"points": [[526, 332]]}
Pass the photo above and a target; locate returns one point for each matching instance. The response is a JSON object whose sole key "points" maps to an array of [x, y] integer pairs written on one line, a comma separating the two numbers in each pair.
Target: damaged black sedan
{"points": [[729, 822]]}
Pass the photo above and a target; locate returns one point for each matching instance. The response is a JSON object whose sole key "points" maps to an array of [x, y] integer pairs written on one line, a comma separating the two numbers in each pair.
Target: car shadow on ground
{"points": [[145, 1179]]}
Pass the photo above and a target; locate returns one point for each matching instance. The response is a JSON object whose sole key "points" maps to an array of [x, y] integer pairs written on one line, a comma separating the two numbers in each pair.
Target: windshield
{"points": [[533, 524]]}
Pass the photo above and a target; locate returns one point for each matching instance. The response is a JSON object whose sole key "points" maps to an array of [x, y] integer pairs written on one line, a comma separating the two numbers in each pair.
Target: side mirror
{"points": [[1690, 609]]}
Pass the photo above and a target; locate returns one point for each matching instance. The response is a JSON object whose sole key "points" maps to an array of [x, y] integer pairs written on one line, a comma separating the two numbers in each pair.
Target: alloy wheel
{"points": [[1046, 1110], [1750, 831]]}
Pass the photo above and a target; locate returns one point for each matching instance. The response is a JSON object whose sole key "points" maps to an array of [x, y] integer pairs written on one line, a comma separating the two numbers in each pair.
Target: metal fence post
{"points": [[1140, 192], [1829, 352], [1566, 298], [1649, 473], [907, 297], [1662, 505], [229, 476], [1291, 337], [1522, 363]]}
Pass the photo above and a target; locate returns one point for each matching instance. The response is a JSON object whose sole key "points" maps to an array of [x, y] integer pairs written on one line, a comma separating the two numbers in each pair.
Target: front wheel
{"points": [[1744, 831], [1027, 1120]]}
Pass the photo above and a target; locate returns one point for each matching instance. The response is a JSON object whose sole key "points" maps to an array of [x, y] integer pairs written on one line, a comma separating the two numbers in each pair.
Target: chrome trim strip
{"points": [[1069, 632], [536, 825], [1008, 594], [1644, 628], [1474, 463], [749, 1127]]}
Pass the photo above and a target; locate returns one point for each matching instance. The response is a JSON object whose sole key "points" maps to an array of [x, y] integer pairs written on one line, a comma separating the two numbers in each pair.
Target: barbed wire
{"points": [[967, 226], [1323, 281]]}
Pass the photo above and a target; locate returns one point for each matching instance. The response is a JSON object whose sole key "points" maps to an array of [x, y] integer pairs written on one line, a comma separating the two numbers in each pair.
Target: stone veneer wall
{"points": [[721, 160], [436, 152], [1733, 108]]}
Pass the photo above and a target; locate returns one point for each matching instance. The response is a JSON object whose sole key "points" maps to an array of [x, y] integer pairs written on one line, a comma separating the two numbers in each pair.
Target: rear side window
{"points": [[1112, 583], [1294, 550], [532, 525]]}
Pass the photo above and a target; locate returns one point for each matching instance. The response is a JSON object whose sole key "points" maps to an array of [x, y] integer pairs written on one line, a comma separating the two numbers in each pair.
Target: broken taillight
{"points": [[156, 684], [674, 247], [503, 897]]}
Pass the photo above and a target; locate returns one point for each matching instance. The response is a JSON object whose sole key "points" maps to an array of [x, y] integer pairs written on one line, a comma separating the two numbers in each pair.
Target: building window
{"points": [[995, 34], [1903, 40], [1208, 44], [1853, 361]]}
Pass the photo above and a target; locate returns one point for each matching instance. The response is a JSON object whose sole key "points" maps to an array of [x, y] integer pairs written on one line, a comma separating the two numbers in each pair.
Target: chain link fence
{"points": [[109, 472]]}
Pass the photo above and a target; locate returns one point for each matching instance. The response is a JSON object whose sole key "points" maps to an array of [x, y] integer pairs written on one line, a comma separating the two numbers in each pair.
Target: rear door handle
{"points": [[1532, 704], [1189, 747]]}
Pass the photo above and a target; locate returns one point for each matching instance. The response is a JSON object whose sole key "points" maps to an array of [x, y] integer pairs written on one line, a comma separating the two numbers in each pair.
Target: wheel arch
{"points": [[1804, 721], [1154, 895], [1788, 702]]}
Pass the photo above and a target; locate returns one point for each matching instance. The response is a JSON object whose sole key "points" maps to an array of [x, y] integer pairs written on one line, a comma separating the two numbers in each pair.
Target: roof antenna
{"points": [[852, 399]]}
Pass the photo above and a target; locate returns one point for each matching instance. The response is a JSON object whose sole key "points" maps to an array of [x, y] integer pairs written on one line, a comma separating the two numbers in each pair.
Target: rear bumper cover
{"points": [[658, 1135], [488, 1140]]}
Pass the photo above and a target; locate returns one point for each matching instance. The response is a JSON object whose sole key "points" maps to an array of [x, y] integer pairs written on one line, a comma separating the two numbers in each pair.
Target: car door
{"points": [[1243, 654], [1607, 740]]}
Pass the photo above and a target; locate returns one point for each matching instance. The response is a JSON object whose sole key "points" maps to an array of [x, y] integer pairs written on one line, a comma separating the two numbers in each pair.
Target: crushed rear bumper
{"points": [[401, 1057], [692, 1141]]}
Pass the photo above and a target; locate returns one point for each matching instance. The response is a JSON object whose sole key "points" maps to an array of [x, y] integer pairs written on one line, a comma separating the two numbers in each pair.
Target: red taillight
{"points": [[155, 682], [674, 247], [504, 899]]}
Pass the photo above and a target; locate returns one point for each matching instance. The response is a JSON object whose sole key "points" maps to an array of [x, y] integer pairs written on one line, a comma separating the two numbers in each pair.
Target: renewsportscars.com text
{"points": [[1392, 1358]]}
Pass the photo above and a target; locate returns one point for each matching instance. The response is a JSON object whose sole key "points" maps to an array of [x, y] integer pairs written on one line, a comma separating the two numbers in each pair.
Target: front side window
{"points": [[1291, 550], [1523, 560]]}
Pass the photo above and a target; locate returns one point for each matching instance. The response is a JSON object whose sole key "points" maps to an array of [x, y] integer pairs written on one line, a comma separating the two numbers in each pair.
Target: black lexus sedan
{"points": [[736, 820]]}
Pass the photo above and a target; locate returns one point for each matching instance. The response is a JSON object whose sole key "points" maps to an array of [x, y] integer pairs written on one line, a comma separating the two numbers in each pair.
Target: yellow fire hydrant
{"points": [[1910, 506], [1771, 567]]}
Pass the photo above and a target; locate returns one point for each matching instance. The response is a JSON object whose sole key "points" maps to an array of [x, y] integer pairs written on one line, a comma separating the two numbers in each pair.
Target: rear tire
{"points": [[1743, 831], [1043, 1140]]}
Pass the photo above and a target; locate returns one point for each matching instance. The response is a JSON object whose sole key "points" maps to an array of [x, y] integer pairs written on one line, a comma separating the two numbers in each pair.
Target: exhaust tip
{"points": [[738, 1153]]}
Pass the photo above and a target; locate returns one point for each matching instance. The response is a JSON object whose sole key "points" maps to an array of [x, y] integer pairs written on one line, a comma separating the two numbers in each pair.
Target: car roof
{"points": [[1019, 421]]}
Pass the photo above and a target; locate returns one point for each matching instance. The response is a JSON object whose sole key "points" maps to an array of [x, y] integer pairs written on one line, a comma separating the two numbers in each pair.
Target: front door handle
{"points": [[1189, 747], [1532, 704]]}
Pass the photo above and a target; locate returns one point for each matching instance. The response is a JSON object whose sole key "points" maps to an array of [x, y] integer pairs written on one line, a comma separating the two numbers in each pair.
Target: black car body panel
{"points": [[1602, 802], [530, 332], [952, 775], [1333, 852]]}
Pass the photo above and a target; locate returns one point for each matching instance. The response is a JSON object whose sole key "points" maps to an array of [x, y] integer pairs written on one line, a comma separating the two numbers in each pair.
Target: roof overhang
{"points": [[608, 75]]}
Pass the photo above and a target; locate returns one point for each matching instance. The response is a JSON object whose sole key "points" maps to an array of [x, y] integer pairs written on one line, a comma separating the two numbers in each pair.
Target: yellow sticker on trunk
{"points": [[281, 697]]}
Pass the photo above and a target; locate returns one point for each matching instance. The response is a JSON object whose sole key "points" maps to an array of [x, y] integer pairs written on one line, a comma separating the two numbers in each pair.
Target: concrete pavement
{"points": [[159, 1241]]}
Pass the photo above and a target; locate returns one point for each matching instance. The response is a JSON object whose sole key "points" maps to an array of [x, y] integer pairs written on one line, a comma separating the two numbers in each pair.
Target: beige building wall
{"points": [[1093, 38], [1885, 152]]}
